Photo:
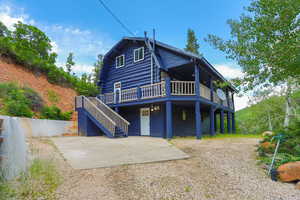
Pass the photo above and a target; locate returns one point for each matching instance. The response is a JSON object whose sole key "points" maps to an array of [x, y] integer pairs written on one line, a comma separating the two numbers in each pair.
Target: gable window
{"points": [[138, 54], [120, 61]]}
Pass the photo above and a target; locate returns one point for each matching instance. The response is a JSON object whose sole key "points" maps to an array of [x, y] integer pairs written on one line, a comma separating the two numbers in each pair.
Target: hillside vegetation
{"points": [[255, 119], [29, 47], [26, 102]]}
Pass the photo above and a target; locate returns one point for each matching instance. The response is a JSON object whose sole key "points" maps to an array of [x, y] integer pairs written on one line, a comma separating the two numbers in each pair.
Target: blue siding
{"points": [[131, 75], [157, 120], [86, 126]]}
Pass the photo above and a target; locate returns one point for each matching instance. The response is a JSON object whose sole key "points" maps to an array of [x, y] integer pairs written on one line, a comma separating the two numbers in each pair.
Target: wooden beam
{"points": [[198, 122], [169, 120]]}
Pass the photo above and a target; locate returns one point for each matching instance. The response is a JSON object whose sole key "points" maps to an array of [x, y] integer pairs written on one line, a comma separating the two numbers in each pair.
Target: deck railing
{"points": [[99, 115], [178, 88], [183, 87], [217, 98], [129, 95], [118, 119], [204, 91], [153, 90]]}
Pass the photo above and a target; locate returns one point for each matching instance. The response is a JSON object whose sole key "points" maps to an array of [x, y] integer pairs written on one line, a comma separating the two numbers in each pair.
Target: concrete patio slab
{"points": [[96, 152]]}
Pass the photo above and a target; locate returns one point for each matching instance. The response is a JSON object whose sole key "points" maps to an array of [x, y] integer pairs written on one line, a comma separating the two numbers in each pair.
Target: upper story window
{"points": [[120, 61], [138, 54]]}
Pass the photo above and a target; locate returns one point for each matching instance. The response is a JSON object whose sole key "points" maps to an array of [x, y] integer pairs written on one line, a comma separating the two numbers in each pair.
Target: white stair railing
{"points": [[98, 114], [114, 116]]}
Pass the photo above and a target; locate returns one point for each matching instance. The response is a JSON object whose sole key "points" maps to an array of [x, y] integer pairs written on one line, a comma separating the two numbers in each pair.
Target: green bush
{"points": [[53, 112], [289, 149], [36, 102], [31, 48]]}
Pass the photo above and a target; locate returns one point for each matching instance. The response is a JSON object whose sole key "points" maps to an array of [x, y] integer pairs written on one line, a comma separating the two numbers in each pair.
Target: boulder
{"points": [[298, 185], [267, 133], [289, 171]]}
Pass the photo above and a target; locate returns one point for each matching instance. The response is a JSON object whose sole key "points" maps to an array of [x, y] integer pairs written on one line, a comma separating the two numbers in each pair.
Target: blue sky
{"points": [[87, 29]]}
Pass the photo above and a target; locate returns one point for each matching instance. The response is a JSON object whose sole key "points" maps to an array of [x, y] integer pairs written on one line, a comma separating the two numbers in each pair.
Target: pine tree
{"points": [[192, 42], [97, 69], [70, 62]]}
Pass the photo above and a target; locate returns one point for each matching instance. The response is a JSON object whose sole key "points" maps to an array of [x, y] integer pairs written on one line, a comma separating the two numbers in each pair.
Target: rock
{"points": [[298, 185], [289, 172], [267, 145], [267, 133]]}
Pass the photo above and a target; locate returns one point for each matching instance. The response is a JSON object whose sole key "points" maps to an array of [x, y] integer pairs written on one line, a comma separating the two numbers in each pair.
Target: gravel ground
{"points": [[219, 169]]}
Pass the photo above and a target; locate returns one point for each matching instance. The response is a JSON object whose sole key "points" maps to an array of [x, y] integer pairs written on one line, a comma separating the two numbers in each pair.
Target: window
{"points": [[183, 115], [138, 54], [120, 61]]}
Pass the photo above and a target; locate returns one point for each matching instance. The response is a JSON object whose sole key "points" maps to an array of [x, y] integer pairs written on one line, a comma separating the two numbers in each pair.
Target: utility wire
{"points": [[115, 17]]}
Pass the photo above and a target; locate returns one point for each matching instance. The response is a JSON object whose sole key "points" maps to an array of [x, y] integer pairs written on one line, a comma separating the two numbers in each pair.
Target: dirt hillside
{"points": [[10, 72]]}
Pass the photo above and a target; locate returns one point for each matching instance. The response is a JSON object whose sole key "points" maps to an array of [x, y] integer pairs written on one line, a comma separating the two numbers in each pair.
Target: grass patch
{"points": [[39, 182], [221, 136]]}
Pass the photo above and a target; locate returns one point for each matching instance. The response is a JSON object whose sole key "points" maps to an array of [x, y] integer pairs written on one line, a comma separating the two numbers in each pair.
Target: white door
{"points": [[117, 88], [145, 121]]}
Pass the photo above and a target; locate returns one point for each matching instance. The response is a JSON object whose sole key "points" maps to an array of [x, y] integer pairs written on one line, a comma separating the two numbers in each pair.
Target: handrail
{"points": [[153, 90], [129, 95], [204, 91], [108, 123], [183, 87], [118, 119]]}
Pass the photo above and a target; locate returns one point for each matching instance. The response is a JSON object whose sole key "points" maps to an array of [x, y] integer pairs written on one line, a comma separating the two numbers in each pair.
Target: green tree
{"points": [[192, 42], [3, 30], [265, 43], [70, 62], [97, 69]]}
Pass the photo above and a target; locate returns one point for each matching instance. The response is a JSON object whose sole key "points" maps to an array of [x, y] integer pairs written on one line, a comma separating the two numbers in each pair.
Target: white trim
{"points": [[134, 60], [117, 61]]}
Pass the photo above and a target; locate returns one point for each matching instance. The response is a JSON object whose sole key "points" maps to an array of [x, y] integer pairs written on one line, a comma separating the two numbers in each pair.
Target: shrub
{"points": [[36, 102], [19, 109], [53, 112], [289, 149]]}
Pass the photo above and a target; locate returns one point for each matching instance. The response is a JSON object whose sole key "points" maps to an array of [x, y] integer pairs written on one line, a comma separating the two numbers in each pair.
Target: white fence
{"points": [[183, 87]]}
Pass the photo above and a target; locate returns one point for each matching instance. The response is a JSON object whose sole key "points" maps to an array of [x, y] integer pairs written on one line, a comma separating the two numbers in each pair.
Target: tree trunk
{"points": [[288, 106], [270, 122]]}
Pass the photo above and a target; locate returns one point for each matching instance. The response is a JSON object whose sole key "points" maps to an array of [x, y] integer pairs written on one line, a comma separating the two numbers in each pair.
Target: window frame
{"points": [[137, 49], [117, 61]]}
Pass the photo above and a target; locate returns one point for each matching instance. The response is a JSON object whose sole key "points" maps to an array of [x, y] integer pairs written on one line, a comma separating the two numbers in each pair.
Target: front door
{"points": [[117, 92], [145, 121]]}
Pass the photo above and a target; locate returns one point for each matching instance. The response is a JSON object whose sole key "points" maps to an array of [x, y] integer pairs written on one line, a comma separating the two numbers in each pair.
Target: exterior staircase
{"points": [[106, 119]]}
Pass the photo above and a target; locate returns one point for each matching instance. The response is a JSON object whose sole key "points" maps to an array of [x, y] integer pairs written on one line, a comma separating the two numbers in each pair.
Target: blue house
{"points": [[149, 88]]}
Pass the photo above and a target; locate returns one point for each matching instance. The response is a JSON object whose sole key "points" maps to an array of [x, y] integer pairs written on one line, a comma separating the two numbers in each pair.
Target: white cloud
{"points": [[84, 44], [241, 102], [229, 71], [9, 16]]}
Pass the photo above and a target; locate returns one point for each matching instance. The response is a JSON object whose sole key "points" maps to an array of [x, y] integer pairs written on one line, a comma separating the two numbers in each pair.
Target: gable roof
{"points": [[171, 48]]}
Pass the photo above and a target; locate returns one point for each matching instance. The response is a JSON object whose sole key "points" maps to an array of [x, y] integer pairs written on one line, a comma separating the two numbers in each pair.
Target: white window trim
{"points": [[134, 60], [117, 61]]}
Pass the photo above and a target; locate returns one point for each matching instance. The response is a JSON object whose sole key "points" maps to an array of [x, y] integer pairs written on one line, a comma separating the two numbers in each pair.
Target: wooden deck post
{"points": [[212, 120], [229, 130], [197, 80], [139, 93], [215, 121], [222, 121], [169, 119], [198, 122], [211, 87], [233, 123], [168, 86]]}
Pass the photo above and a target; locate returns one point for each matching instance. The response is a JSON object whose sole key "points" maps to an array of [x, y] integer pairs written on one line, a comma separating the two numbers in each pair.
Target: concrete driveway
{"points": [[96, 152]]}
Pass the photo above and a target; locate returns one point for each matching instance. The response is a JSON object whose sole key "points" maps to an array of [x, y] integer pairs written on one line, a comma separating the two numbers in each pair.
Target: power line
{"points": [[115, 17]]}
